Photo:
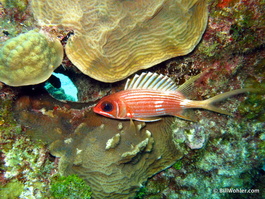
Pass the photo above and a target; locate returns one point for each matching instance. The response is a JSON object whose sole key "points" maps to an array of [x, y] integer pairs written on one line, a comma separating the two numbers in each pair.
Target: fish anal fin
{"points": [[184, 117], [149, 119]]}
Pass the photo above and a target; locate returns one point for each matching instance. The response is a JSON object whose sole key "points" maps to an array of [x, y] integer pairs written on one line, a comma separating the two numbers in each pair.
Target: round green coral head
{"points": [[29, 58]]}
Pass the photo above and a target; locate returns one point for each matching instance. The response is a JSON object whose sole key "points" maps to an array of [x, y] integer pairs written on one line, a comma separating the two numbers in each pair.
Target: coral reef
{"points": [[117, 38], [233, 152], [29, 58], [219, 153], [230, 160]]}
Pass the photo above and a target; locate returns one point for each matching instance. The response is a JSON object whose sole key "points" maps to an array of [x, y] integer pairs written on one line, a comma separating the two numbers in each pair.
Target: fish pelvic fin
{"points": [[208, 104], [132, 126], [150, 119]]}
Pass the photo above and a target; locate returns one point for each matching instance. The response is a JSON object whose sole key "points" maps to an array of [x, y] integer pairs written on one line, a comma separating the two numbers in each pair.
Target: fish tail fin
{"points": [[208, 104], [213, 108]]}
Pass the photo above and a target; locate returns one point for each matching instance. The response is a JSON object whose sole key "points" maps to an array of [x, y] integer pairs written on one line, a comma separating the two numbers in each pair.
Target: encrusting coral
{"points": [[113, 157], [113, 39], [29, 58]]}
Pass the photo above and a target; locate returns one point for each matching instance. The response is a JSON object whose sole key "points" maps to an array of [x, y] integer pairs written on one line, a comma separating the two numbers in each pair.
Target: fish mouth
{"points": [[104, 114]]}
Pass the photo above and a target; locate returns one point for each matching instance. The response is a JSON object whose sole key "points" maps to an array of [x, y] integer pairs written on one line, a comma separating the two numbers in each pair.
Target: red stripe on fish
{"points": [[141, 103]]}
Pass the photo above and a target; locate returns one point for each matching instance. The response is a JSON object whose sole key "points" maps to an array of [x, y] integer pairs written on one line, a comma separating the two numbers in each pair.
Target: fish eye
{"points": [[107, 106]]}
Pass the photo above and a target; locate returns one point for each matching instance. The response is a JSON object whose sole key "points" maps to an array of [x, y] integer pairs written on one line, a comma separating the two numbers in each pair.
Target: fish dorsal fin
{"points": [[186, 88], [152, 81]]}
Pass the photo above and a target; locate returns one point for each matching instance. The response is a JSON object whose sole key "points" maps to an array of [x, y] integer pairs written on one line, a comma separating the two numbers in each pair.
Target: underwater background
{"points": [[50, 139]]}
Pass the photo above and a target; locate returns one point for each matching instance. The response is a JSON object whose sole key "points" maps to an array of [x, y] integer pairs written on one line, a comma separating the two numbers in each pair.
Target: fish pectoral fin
{"points": [[184, 117], [149, 119], [132, 126]]}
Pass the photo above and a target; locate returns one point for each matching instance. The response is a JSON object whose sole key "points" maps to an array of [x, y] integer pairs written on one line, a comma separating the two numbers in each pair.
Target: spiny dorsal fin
{"points": [[151, 81]]}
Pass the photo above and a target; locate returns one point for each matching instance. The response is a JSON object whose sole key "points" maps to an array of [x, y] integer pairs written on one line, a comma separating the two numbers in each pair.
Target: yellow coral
{"points": [[113, 39], [29, 58]]}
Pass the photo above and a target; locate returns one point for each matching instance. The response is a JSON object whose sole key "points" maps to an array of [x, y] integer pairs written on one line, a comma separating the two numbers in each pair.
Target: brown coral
{"points": [[114, 39], [112, 156]]}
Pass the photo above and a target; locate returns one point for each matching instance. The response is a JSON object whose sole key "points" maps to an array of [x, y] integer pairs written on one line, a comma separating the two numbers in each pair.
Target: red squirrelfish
{"points": [[149, 95]]}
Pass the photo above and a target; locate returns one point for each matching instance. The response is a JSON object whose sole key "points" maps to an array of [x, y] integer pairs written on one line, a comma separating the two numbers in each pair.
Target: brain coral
{"points": [[29, 58], [115, 38]]}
